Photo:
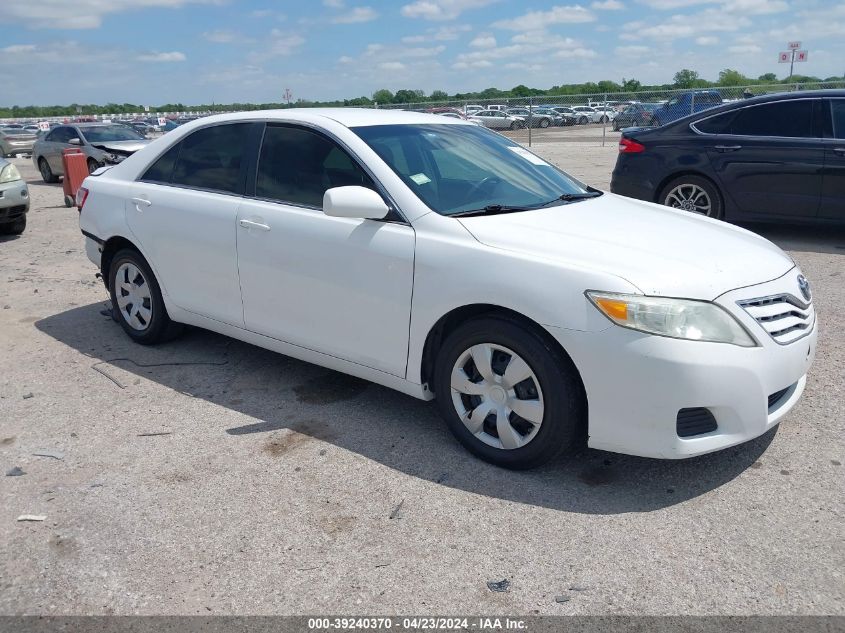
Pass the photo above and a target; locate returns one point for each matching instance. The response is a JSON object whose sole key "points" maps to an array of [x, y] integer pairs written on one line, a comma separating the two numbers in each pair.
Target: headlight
{"points": [[676, 318], [9, 173]]}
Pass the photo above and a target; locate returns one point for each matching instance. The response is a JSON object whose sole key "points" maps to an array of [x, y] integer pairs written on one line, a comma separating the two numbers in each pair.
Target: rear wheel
{"points": [[544, 123], [694, 194], [616, 126], [46, 173], [583, 121], [136, 300], [506, 394]]}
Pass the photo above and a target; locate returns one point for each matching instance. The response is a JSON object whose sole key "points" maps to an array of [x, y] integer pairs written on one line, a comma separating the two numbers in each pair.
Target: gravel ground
{"points": [[208, 476]]}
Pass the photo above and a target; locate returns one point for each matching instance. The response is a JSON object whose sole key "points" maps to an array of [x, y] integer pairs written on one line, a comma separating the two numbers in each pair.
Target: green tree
{"points": [[768, 78], [685, 78], [439, 95], [729, 77], [408, 96], [631, 85], [383, 96]]}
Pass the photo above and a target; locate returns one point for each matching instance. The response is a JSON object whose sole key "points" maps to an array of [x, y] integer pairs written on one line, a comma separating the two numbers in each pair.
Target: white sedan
{"points": [[443, 260]]}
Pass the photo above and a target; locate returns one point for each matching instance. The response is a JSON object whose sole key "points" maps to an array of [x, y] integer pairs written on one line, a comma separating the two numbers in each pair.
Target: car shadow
{"points": [[398, 431], [802, 238]]}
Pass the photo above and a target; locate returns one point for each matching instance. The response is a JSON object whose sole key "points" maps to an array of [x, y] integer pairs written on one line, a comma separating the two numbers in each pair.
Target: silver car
{"points": [[102, 143], [498, 120], [16, 141], [14, 199]]}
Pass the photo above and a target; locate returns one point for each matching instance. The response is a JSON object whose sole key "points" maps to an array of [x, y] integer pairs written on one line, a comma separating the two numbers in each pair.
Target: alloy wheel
{"points": [[497, 396], [134, 299], [689, 197]]}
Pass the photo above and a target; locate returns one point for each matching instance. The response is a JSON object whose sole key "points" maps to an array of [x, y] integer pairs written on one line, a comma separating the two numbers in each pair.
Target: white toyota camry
{"points": [[444, 260]]}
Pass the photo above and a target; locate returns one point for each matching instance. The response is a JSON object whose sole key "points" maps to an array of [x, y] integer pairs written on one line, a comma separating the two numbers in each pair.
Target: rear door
{"points": [[768, 158], [57, 141], [832, 205], [183, 212]]}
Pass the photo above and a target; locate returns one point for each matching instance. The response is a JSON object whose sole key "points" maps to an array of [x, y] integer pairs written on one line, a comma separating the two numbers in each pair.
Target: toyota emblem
{"points": [[804, 286]]}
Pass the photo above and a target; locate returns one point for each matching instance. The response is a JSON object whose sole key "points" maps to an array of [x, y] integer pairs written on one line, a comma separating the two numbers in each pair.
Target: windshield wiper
{"points": [[494, 209]]}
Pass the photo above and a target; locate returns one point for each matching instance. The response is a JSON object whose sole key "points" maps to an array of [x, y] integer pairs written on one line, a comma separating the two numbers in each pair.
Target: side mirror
{"points": [[75, 141], [354, 202]]}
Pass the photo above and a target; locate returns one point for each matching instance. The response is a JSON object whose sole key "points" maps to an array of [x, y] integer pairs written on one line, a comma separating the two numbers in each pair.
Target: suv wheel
{"points": [[136, 300], [507, 396], [46, 173], [14, 228], [693, 193]]}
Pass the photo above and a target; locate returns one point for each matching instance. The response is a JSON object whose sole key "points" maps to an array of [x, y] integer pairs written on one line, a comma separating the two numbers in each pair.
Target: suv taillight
{"points": [[628, 146], [81, 197]]}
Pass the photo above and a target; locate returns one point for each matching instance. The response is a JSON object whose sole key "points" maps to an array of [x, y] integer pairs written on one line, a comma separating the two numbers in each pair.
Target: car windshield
{"points": [[460, 168], [107, 133]]}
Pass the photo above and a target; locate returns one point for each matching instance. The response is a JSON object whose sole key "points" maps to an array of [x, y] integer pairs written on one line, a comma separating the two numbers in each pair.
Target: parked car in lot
{"points": [[685, 104], [570, 116], [535, 118], [14, 199], [776, 157], [16, 141], [585, 114], [470, 109], [102, 143], [542, 309], [635, 115], [498, 120]]}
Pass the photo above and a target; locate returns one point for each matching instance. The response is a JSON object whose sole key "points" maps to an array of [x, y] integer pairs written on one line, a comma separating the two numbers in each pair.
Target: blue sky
{"points": [[199, 51]]}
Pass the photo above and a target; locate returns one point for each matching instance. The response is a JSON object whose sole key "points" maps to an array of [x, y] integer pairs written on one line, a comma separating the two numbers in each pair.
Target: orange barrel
{"points": [[75, 165]]}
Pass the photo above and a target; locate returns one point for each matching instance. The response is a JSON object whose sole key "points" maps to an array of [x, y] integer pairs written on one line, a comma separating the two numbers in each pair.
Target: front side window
{"points": [[461, 168], [793, 118], [62, 135], [211, 158], [297, 166]]}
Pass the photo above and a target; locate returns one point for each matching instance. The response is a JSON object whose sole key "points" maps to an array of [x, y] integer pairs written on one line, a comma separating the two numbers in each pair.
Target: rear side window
{"points": [[162, 169], [211, 158], [837, 107], [720, 124], [298, 166], [785, 118]]}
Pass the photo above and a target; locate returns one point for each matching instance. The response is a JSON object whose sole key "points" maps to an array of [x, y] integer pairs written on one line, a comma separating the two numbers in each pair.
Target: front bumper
{"points": [[14, 200], [637, 383]]}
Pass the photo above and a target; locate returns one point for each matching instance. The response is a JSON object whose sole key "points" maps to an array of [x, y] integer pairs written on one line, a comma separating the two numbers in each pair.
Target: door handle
{"points": [[728, 148], [251, 224], [140, 202], [839, 151]]}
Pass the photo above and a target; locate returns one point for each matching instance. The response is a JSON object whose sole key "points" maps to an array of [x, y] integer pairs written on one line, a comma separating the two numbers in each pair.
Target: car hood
{"points": [[660, 250], [122, 146]]}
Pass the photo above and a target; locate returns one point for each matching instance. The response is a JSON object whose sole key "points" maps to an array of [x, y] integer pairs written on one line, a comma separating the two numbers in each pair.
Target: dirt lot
{"points": [[208, 476]]}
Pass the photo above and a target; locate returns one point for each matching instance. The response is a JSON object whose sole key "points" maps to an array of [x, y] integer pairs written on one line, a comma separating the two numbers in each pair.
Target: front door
{"points": [[339, 286], [832, 205]]}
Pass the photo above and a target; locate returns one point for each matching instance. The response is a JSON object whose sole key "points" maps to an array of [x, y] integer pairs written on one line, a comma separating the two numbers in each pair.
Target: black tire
{"points": [[615, 126], [160, 328], [564, 417], [515, 125], [69, 201], [544, 123], [14, 228], [717, 209], [46, 173], [583, 121], [93, 165]]}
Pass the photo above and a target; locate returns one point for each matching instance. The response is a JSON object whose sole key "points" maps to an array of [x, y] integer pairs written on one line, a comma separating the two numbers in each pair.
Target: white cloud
{"points": [[577, 53], [173, 56], [18, 48], [444, 33], [483, 41], [442, 9], [356, 16], [744, 49], [220, 36], [334, 4], [392, 66], [707, 40], [632, 51], [536, 20], [608, 5], [346, 59], [742, 7], [685, 26], [79, 14]]}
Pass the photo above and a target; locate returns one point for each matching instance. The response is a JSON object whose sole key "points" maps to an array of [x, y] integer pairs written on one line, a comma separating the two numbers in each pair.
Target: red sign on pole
{"points": [[794, 46], [801, 56], [784, 58]]}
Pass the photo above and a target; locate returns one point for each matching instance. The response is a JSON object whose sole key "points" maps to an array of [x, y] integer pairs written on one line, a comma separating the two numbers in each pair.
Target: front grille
{"points": [[695, 421], [11, 212], [784, 317], [776, 396]]}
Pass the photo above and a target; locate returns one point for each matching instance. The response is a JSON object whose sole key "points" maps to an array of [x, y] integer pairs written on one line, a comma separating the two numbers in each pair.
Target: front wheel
{"points": [[136, 300], [694, 194], [544, 123], [583, 121], [14, 228], [507, 395], [46, 173]]}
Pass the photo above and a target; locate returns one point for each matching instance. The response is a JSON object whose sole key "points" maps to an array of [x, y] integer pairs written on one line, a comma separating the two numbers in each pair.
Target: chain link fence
{"points": [[594, 118]]}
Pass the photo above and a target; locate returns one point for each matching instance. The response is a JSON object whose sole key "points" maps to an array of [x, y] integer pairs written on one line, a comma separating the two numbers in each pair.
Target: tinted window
{"points": [[720, 124], [162, 169], [62, 135], [837, 106], [785, 118], [211, 158], [298, 166]]}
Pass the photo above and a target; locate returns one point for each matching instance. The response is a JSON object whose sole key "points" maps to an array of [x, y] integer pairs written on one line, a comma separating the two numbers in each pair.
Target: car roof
{"points": [[349, 117]]}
